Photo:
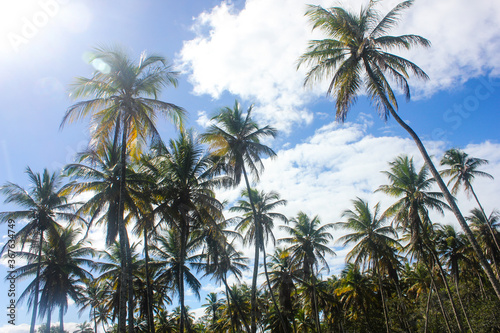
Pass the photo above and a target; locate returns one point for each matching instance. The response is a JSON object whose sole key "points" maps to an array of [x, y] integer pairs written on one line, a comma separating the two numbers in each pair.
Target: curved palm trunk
{"points": [[258, 243], [229, 308], [440, 301], [486, 220], [427, 306], [462, 304], [95, 320], [37, 284], [448, 291], [403, 306], [451, 202], [149, 292]]}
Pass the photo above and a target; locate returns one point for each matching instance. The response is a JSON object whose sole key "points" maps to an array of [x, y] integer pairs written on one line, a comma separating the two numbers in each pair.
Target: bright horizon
{"points": [[248, 50]]}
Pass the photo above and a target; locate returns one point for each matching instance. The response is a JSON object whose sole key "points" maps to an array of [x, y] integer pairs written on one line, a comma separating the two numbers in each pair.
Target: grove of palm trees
{"points": [[419, 264]]}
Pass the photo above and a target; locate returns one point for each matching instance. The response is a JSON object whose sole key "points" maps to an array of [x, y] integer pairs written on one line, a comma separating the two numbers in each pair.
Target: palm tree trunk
{"points": [[384, 305], [183, 239], [462, 304], [315, 302], [486, 220], [258, 243], [427, 306], [49, 317], [149, 292], [440, 301], [448, 291], [95, 320], [451, 202], [253, 300], [61, 319], [126, 279], [37, 284]]}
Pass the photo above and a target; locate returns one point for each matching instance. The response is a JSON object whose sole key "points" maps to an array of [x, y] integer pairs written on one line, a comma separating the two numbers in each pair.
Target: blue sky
{"points": [[247, 50]]}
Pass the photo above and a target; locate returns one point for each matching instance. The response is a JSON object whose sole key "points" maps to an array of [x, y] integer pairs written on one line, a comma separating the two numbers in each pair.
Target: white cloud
{"points": [[253, 53]]}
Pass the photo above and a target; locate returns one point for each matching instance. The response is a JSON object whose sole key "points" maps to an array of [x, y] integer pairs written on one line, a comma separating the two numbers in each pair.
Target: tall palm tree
{"points": [[411, 211], [62, 271], [44, 204], [372, 241], [124, 101], [357, 53], [462, 171], [235, 138], [186, 202], [308, 244], [259, 228]]}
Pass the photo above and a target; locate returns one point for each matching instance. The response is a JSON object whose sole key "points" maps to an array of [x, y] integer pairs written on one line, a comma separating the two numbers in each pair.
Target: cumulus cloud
{"points": [[252, 53], [322, 175]]}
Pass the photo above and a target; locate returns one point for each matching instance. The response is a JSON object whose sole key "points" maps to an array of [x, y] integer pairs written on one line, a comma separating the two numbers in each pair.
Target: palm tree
{"points": [[282, 276], [453, 248], [357, 53], [44, 204], [482, 228], [372, 240], [124, 101], [173, 259], [259, 228], [356, 292], [411, 210], [212, 307], [236, 138], [61, 270], [187, 175], [308, 246], [462, 171]]}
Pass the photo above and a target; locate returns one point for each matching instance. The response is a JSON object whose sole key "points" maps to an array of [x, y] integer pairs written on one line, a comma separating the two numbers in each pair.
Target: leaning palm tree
{"points": [[235, 138], [356, 55], [124, 102], [372, 238], [462, 170], [482, 228], [308, 244], [44, 205]]}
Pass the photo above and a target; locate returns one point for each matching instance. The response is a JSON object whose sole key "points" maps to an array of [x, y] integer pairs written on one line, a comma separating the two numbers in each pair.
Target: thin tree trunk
{"points": [[315, 302], [433, 282], [49, 317], [183, 239], [384, 305], [37, 284], [427, 306], [95, 320], [486, 220], [253, 300], [448, 291], [61, 319], [462, 304], [125, 283], [229, 307], [149, 292], [451, 202]]}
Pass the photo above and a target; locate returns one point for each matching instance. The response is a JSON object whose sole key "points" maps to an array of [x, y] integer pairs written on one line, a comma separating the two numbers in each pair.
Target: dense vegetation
{"points": [[405, 272]]}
